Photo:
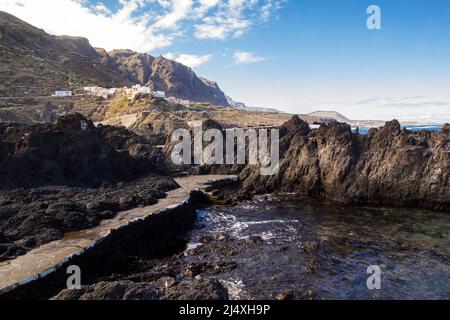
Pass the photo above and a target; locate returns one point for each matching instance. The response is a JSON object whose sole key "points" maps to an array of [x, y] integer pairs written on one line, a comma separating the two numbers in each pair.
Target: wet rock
{"points": [[311, 267], [254, 240], [224, 267], [198, 289], [297, 294], [287, 294], [192, 270], [120, 290], [224, 237], [308, 246], [205, 239], [165, 282]]}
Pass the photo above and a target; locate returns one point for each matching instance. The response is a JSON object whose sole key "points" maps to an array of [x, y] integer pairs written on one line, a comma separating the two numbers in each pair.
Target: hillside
{"points": [[34, 63], [166, 75], [327, 115]]}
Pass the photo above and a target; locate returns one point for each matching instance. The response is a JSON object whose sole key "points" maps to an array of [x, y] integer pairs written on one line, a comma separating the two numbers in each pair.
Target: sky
{"points": [[298, 56]]}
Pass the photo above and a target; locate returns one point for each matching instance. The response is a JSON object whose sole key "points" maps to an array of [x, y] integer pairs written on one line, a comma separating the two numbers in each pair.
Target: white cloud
{"points": [[412, 108], [234, 17], [242, 57], [121, 29], [190, 60], [180, 9], [143, 25]]}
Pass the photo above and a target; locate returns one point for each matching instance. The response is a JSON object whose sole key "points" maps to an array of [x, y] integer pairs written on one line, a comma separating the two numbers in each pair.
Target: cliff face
{"points": [[387, 166], [66, 153], [134, 66], [167, 75]]}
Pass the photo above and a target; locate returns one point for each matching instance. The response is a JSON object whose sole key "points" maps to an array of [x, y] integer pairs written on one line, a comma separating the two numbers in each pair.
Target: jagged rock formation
{"points": [[72, 151], [68, 176], [136, 67], [387, 166]]}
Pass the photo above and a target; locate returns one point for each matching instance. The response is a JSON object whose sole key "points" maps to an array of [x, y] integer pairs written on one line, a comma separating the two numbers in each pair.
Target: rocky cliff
{"points": [[388, 166], [167, 75], [72, 152], [34, 63]]}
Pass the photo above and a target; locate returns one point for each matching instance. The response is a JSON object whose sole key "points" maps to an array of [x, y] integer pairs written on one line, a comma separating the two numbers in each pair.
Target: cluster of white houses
{"points": [[101, 92], [174, 100], [129, 92]]}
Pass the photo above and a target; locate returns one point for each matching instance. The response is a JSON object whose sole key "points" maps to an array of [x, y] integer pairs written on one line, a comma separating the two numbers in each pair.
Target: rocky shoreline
{"points": [[140, 237], [70, 176], [388, 166]]}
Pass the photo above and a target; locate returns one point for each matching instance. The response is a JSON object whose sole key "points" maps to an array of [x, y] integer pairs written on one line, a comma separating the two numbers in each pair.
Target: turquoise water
{"points": [[364, 130]]}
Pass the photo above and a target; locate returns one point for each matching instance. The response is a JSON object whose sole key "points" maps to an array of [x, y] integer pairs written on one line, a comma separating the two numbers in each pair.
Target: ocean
{"points": [[434, 128]]}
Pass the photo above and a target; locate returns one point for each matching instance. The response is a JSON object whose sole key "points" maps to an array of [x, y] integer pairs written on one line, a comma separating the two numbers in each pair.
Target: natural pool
{"points": [[307, 249]]}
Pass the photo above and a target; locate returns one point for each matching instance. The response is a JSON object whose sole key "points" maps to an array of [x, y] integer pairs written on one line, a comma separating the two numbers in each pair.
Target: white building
{"points": [[174, 100], [185, 103], [159, 94], [101, 92], [61, 94], [136, 89]]}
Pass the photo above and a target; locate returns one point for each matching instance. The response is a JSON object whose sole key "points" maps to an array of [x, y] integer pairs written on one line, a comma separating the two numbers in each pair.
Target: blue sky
{"points": [[296, 55]]}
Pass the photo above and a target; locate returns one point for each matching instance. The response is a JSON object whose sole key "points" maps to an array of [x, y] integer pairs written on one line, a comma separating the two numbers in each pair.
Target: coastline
{"points": [[45, 264]]}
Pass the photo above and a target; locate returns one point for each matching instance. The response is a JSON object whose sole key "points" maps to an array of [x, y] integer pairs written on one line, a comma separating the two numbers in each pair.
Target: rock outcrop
{"points": [[388, 166], [167, 75], [72, 151], [127, 290], [70, 175]]}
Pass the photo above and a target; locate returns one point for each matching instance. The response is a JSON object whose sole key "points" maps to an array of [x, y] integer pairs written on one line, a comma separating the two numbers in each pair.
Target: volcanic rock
{"points": [[387, 166]]}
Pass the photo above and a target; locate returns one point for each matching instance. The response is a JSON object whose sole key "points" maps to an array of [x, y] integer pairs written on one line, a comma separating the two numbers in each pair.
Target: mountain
{"points": [[330, 115], [243, 106], [167, 75], [34, 63]]}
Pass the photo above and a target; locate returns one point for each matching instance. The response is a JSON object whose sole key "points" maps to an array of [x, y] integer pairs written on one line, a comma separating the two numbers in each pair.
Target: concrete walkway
{"points": [[46, 258]]}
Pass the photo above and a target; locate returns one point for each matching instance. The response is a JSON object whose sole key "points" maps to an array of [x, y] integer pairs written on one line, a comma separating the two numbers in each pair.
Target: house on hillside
{"points": [[185, 103], [136, 89], [174, 100], [101, 92], [61, 94], [159, 94]]}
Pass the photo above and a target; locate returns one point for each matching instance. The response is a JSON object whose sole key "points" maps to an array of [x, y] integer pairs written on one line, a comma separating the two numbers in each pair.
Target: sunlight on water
{"points": [[326, 248]]}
